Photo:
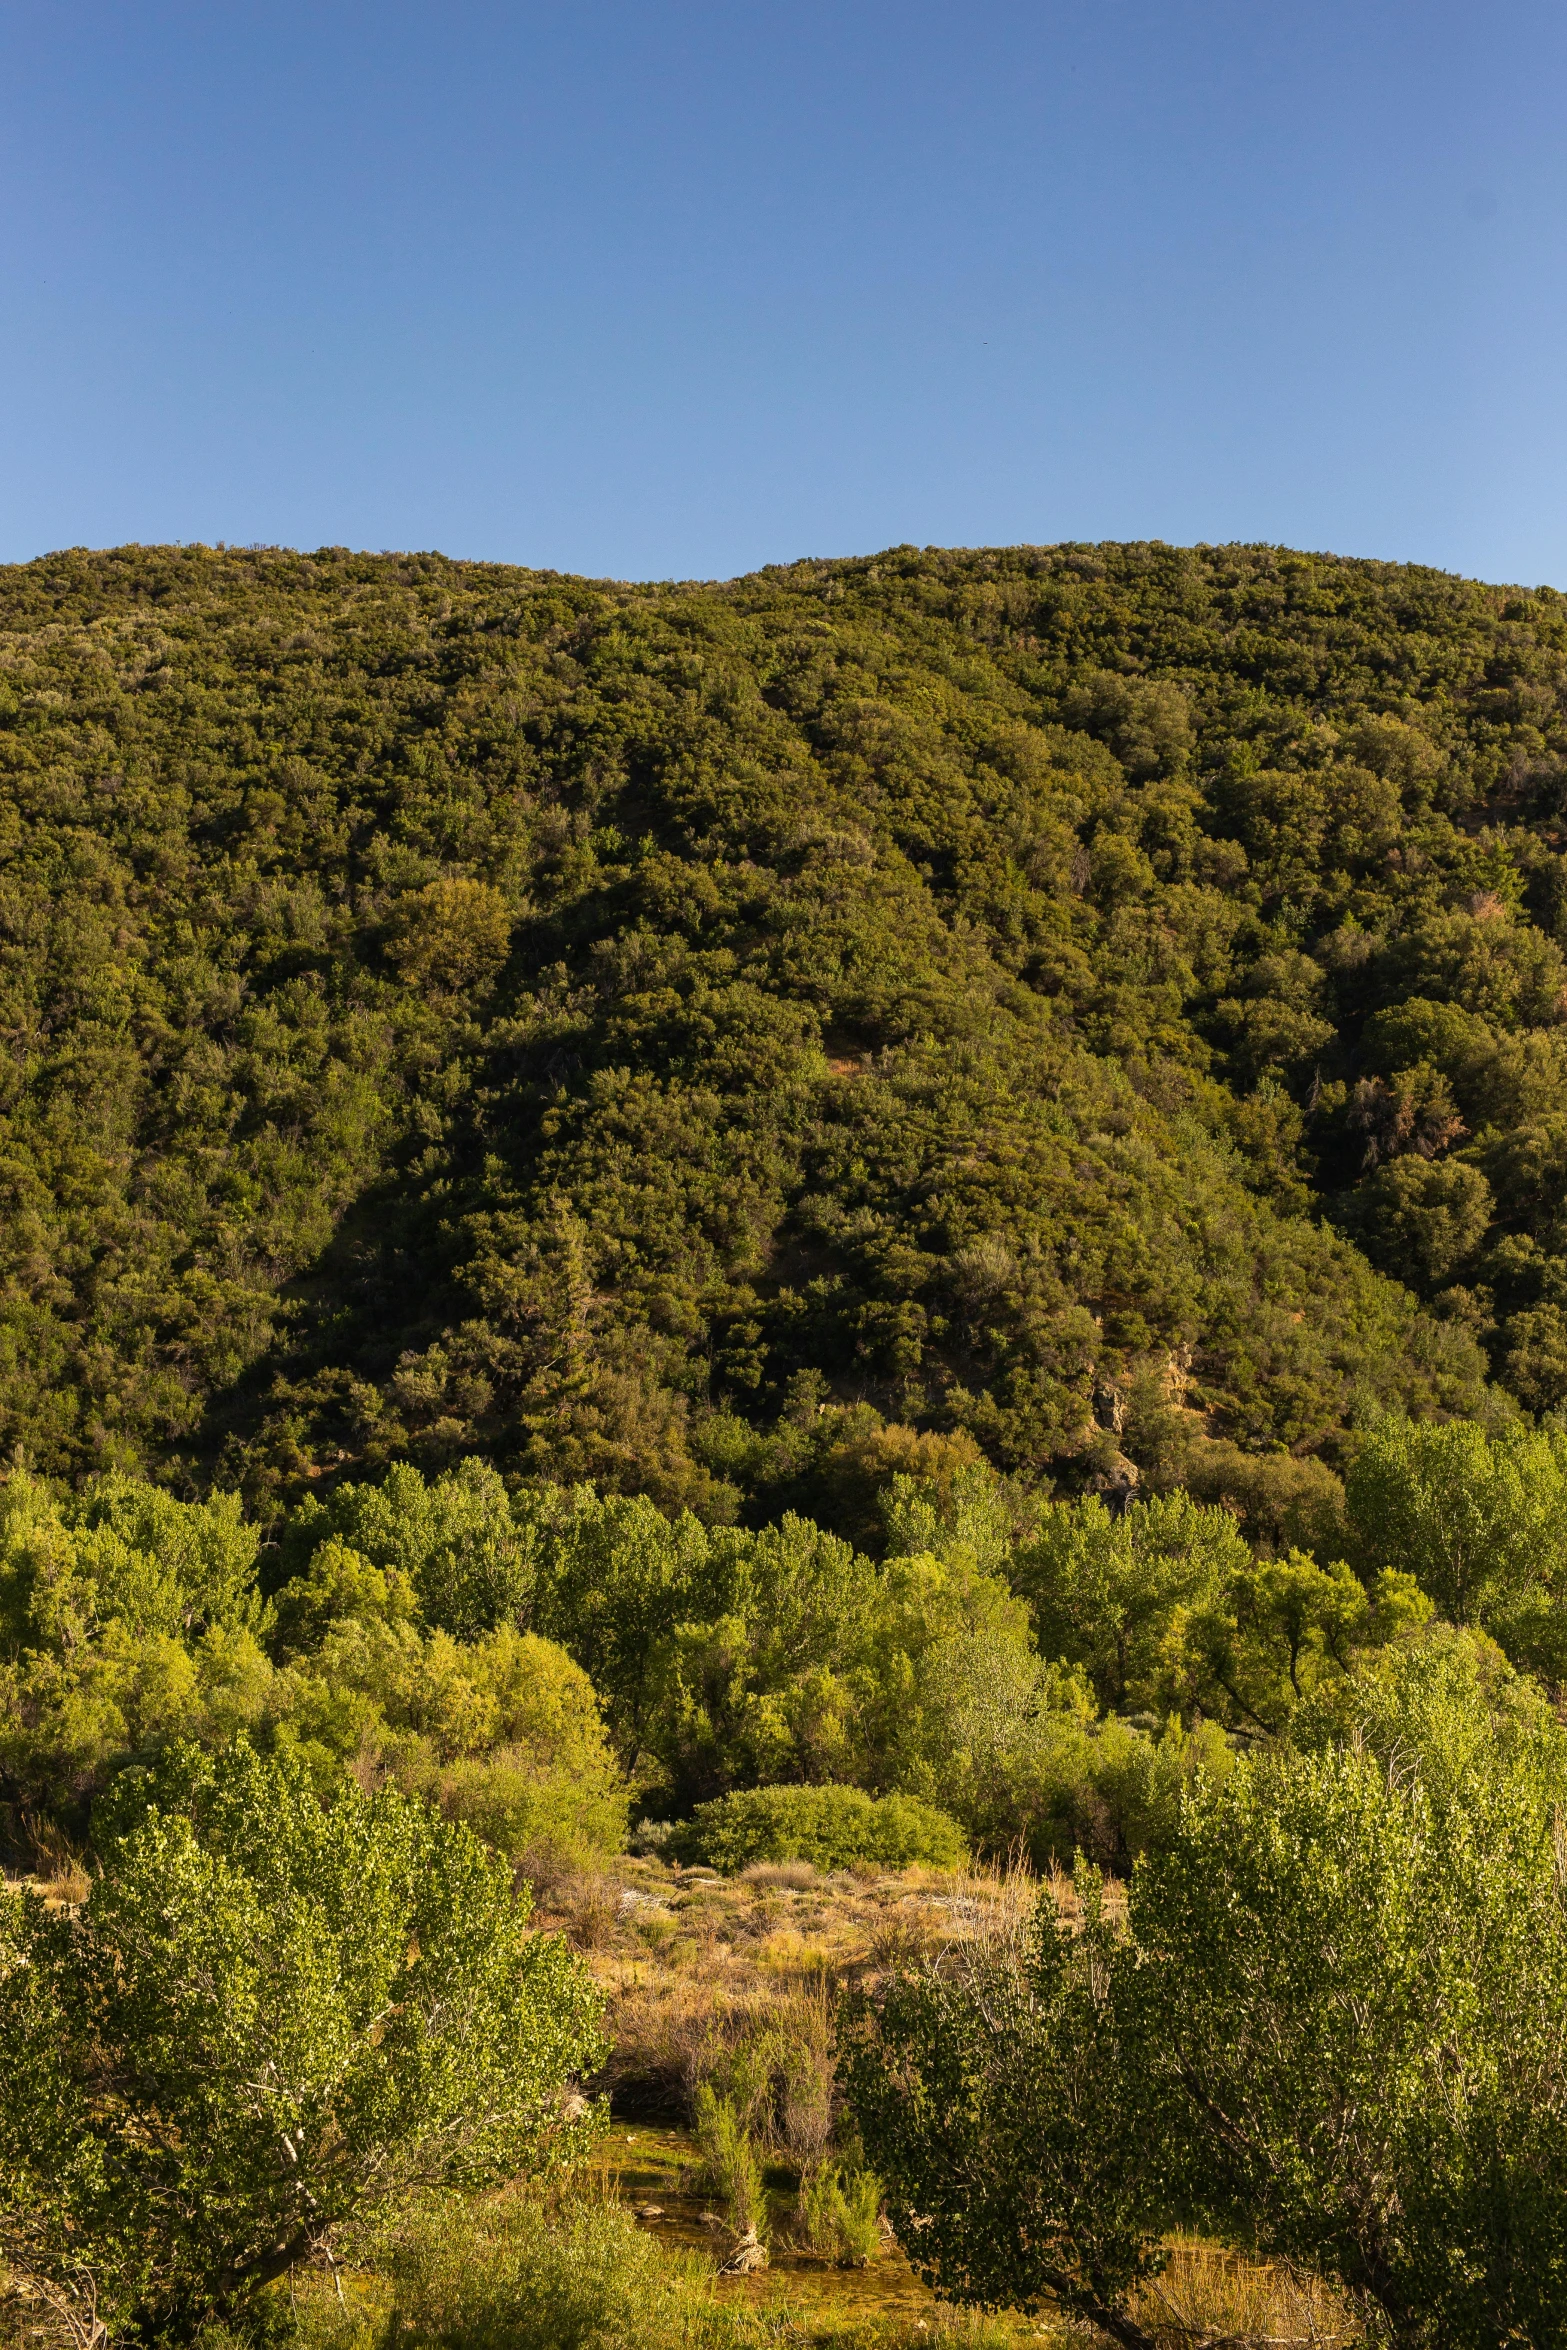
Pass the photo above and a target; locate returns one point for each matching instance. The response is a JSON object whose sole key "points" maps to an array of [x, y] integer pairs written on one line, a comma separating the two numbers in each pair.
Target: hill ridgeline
{"points": [[1099, 1006]]}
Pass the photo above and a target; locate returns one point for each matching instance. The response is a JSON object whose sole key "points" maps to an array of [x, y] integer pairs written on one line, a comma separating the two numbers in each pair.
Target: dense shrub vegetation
{"points": [[1025, 995]]}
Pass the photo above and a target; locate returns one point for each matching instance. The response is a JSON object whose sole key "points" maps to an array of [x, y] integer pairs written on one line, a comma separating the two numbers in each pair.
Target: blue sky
{"points": [[675, 290]]}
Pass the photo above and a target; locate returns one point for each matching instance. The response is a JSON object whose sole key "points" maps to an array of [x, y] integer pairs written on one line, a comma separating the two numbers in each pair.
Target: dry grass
{"points": [[59, 1871], [780, 1876], [1214, 2299], [697, 1969]]}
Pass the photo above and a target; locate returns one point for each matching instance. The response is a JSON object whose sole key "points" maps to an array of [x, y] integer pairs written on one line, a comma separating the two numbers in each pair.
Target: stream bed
{"points": [[657, 2172]]}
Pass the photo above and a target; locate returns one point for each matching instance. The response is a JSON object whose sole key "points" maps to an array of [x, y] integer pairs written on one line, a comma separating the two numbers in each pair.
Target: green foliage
{"points": [[734, 2168], [727, 1659], [1332, 2032], [121, 1551], [1003, 2115], [456, 1544], [339, 1586], [504, 1732], [268, 2018], [1280, 1629], [730, 1658], [108, 1652], [1354, 1977], [460, 1010], [835, 1827], [1425, 1222], [1480, 1523], [840, 2214], [1168, 1611], [520, 2276], [126, 1619], [1106, 1591]]}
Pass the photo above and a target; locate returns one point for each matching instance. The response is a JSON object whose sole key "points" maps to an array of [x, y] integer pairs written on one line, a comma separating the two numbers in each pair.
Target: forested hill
{"points": [[1079, 999]]}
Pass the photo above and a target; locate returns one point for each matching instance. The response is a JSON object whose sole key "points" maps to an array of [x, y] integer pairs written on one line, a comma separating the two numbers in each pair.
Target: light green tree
{"points": [[1350, 1982], [1480, 1522], [1332, 2031], [1004, 2117], [1277, 1631], [455, 1546], [1106, 1591], [268, 2018]]}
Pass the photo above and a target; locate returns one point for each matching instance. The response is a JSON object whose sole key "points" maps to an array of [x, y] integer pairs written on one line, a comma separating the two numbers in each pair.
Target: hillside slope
{"points": [[454, 1008]]}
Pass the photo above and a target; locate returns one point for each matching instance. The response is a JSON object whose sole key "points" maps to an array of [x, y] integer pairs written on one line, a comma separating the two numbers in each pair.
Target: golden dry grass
{"points": [[693, 1965], [1216, 2299]]}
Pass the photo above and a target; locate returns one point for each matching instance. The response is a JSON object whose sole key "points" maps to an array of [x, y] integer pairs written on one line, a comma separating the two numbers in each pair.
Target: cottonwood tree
{"points": [[268, 2018], [1000, 2108], [1350, 1967], [1333, 2030]]}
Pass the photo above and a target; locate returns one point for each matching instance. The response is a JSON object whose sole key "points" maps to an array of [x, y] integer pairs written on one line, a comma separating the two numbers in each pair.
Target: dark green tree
{"points": [[1006, 2118]]}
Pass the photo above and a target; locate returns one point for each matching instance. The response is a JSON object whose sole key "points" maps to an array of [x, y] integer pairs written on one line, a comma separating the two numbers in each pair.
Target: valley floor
{"points": [[700, 1969]]}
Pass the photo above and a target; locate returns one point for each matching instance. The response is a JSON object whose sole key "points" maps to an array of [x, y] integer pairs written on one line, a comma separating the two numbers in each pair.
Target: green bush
{"points": [[1006, 2120], [1364, 1971], [514, 2273], [734, 2168], [840, 2214], [836, 1827], [516, 2276]]}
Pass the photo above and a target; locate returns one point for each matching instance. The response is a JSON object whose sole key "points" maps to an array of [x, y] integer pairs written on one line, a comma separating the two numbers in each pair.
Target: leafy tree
{"points": [[618, 1579], [1536, 1358], [1001, 2113], [451, 935], [339, 1586], [459, 1548], [109, 1652], [1425, 1220], [503, 1732], [973, 1516], [127, 1618], [1479, 1522], [266, 2019], [1332, 2031], [1106, 1592], [1277, 1629], [1351, 1978]]}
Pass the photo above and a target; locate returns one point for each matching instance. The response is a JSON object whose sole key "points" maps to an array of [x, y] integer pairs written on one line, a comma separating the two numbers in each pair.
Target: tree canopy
{"points": [[1330, 2028]]}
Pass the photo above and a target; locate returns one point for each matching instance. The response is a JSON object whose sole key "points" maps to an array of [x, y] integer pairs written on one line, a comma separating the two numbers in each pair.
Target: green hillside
{"points": [[1093, 1000]]}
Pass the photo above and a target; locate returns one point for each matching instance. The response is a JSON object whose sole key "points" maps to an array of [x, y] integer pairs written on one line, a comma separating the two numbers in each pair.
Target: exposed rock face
{"points": [[1117, 1485]]}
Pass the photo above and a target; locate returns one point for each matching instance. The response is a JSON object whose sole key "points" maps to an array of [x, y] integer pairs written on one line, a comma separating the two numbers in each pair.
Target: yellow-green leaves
{"points": [[450, 936], [269, 2016]]}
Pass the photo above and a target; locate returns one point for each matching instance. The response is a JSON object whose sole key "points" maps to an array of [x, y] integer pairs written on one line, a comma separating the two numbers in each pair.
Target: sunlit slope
{"points": [[450, 1008]]}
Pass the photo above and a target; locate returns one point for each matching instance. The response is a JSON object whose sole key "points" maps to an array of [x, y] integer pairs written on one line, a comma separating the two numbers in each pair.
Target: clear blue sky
{"points": [[676, 289]]}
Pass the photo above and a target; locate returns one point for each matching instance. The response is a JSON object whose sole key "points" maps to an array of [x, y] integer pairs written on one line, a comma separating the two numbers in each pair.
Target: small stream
{"points": [[648, 2167], [1206, 2291]]}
